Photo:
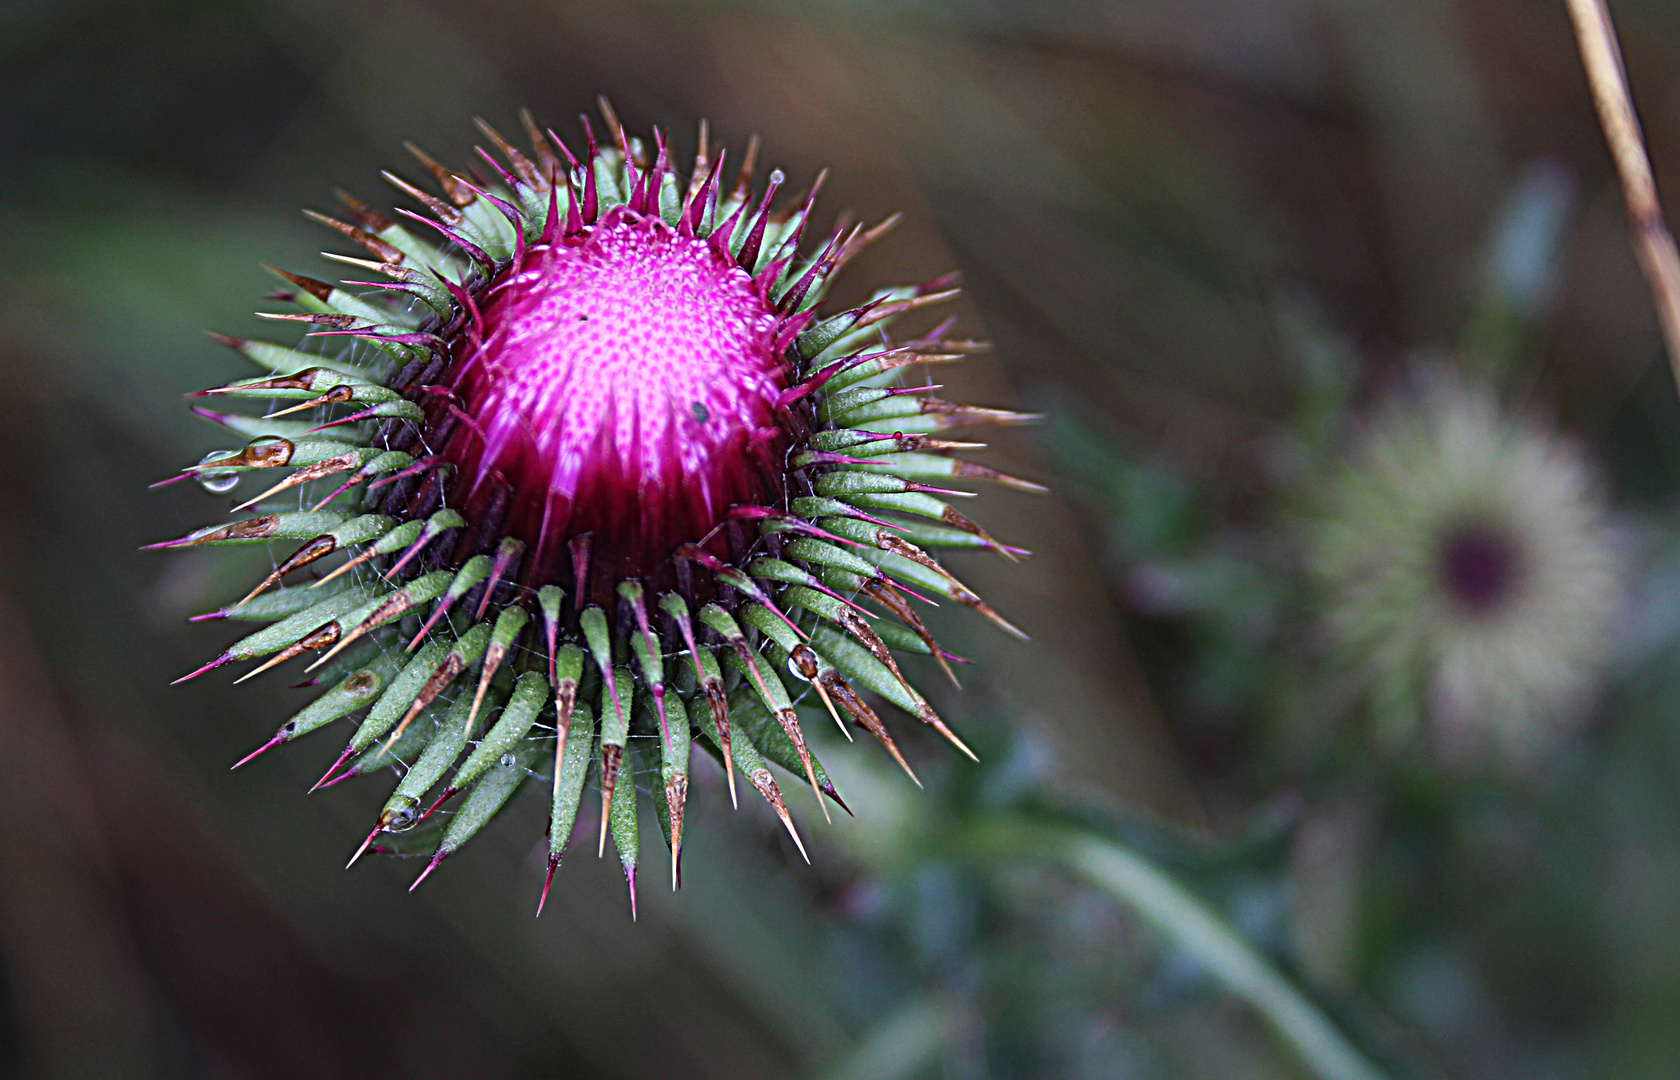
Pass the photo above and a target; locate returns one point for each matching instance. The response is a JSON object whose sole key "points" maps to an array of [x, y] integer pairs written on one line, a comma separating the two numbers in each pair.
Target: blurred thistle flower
{"points": [[1468, 573], [649, 495]]}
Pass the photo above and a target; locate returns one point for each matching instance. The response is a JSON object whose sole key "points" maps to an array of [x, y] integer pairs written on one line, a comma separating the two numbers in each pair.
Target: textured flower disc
{"points": [[607, 486]]}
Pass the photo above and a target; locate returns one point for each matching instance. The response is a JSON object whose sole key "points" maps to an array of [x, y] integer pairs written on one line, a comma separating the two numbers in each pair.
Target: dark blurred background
{"points": [[1159, 208]]}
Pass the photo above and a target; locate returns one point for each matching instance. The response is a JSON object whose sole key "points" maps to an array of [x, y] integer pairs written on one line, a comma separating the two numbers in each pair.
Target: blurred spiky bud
{"points": [[1469, 573], [623, 488]]}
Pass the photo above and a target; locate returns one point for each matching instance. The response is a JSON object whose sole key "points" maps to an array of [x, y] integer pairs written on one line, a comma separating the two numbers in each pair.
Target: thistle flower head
{"points": [[623, 490], [1469, 572]]}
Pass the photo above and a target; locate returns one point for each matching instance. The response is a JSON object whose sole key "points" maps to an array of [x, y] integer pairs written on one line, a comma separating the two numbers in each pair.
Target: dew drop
{"points": [[218, 483], [403, 819]]}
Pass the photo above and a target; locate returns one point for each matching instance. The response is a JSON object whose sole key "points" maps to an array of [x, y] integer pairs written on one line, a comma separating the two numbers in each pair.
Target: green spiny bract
{"points": [[623, 489]]}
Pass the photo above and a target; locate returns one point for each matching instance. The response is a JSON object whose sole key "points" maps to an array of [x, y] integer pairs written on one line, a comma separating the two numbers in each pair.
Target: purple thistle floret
{"points": [[626, 388]]}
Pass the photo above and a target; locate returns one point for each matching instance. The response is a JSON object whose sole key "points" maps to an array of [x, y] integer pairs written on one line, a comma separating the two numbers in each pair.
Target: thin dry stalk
{"points": [[1653, 244]]}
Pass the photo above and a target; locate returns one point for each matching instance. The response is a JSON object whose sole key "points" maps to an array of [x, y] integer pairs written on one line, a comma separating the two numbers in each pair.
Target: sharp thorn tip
{"points": [[364, 847], [437, 860]]}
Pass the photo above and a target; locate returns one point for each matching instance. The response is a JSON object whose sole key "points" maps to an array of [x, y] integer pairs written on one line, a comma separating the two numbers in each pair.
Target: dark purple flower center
{"points": [[1479, 567], [623, 385]]}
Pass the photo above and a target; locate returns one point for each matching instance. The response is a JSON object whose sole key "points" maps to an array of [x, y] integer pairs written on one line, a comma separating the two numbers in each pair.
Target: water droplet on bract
{"points": [[403, 819], [507, 760], [218, 483]]}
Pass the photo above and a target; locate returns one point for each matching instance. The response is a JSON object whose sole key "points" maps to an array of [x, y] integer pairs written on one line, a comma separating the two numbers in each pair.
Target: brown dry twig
{"points": [[1653, 244]]}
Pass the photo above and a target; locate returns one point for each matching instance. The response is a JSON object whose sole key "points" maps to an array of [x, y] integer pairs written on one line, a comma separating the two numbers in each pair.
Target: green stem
{"points": [[1189, 922]]}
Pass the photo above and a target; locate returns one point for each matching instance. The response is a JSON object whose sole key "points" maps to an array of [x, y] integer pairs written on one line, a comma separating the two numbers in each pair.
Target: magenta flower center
{"points": [[622, 384], [1478, 568]]}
